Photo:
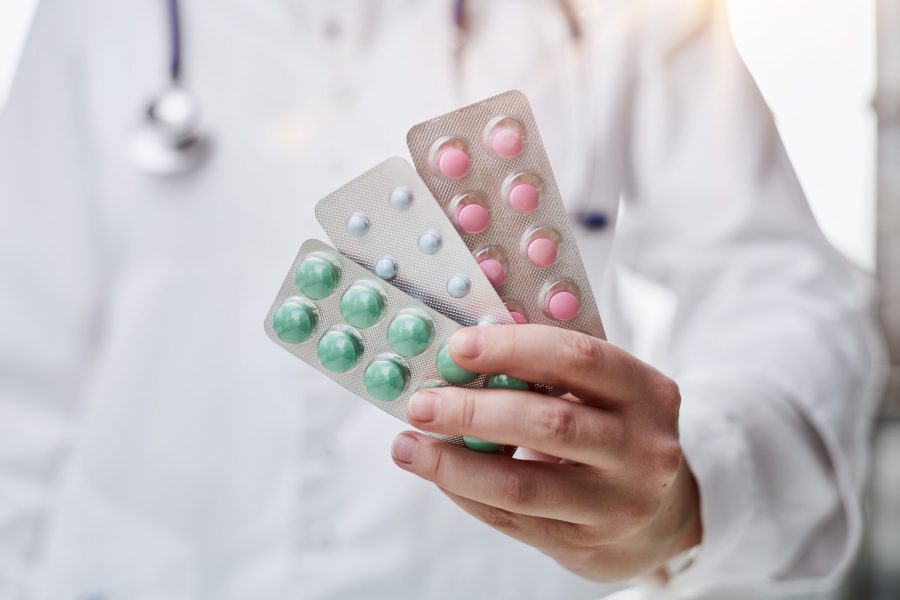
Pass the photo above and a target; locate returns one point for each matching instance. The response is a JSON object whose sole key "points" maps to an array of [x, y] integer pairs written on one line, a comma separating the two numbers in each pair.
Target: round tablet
{"points": [[506, 142], [293, 321], [385, 379], [506, 382], [386, 268], [453, 163], [518, 317], [357, 224], [473, 218], [401, 197], [316, 277], [473, 443], [429, 242], [409, 334], [362, 306], [458, 286], [338, 351], [450, 371], [494, 270], [524, 197], [563, 305], [541, 251]]}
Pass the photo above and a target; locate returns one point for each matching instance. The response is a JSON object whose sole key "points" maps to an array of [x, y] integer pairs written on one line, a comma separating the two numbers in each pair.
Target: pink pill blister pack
{"points": [[487, 168], [387, 221]]}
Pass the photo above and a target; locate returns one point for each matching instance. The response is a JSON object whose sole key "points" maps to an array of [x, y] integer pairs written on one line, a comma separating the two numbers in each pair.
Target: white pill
{"points": [[458, 286], [386, 268], [357, 224], [430, 242], [486, 320], [401, 197]]}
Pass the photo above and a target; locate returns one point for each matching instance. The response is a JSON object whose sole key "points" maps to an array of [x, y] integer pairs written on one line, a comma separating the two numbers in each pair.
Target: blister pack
{"points": [[387, 221], [486, 166], [368, 336]]}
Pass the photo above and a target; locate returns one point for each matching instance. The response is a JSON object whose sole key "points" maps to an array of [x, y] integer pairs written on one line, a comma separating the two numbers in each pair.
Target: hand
{"points": [[618, 502]]}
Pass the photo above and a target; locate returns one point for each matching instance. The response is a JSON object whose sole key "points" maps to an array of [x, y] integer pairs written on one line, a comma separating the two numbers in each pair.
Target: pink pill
{"points": [[453, 163], [473, 218], [506, 142], [494, 271], [541, 251], [518, 317], [563, 305], [524, 197]]}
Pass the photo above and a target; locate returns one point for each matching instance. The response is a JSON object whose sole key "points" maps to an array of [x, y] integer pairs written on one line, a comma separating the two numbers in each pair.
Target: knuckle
{"points": [[667, 458], [467, 409], [437, 470], [586, 351], [557, 423], [498, 518], [517, 491], [669, 396]]}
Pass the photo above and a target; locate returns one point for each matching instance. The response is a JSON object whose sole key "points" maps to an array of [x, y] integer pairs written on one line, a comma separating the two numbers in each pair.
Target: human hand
{"points": [[618, 502]]}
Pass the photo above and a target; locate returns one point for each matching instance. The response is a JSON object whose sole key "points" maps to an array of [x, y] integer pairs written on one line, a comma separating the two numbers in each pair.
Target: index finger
{"points": [[592, 369]]}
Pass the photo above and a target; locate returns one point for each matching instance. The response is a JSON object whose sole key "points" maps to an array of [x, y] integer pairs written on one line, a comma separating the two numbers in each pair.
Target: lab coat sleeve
{"points": [[773, 341], [48, 244]]}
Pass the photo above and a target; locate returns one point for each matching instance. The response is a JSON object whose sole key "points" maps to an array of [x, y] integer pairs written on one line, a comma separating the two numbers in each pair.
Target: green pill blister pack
{"points": [[366, 335]]}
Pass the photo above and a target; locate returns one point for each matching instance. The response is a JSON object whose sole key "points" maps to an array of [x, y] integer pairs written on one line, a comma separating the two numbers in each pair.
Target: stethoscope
{"points": [[170, 139]]}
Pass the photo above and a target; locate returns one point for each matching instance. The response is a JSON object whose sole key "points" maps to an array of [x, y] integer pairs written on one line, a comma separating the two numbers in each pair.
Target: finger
{"points": [[563, 492], [592, 369], [547, 535], [551, 425]]}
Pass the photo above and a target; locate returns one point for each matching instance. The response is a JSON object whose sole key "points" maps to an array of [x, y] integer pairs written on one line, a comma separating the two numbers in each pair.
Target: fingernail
{"points": [[404, 448], [423, 406], [467, 342]]}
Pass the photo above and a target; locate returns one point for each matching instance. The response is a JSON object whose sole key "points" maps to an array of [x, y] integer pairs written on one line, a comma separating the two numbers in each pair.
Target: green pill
{"points": [[410, 334], [316, 277], [338, 351], [473, 443], [385, 379], [450, 371], [362, 306], [506, 382], [293, 321]]}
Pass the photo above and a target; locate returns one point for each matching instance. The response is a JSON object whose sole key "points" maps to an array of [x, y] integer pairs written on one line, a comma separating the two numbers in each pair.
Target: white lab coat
{"points": [[154, 443]]}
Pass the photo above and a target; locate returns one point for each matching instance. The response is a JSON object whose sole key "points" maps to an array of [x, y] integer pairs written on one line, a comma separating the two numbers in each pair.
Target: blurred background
{"points": [[830, 70]]}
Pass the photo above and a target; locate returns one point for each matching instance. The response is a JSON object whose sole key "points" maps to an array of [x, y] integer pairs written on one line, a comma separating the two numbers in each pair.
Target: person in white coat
{"points": [[154, 443]]}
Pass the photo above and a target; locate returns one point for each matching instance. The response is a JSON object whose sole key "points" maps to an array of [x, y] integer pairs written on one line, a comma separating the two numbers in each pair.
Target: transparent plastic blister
{"points": [[366, 335], [387, 221], [486, 166]]}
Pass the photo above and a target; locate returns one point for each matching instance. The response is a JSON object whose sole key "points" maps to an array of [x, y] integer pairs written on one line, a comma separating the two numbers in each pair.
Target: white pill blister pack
{"points": [[366, 335], [387, 221], [487, 168]]}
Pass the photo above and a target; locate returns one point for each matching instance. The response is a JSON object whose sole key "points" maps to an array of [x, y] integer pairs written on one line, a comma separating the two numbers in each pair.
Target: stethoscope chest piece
{"points": [[168, 140]]}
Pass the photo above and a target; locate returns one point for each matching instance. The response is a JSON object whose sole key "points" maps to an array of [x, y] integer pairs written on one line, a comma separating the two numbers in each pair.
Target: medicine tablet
{"points": [[473, 218], [452, 162], [430, 242], [386, 268], [385, 379], [401, 197], [316, 277], [563, 305], [473, 443], [524, 197], [338, 351], [458, 286], [450, 371], [410, 334], [518, 317], [362, 305], [294, 321], [542, 251], [506, 142], [357, 224], [494, 270], [506, 382]]}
